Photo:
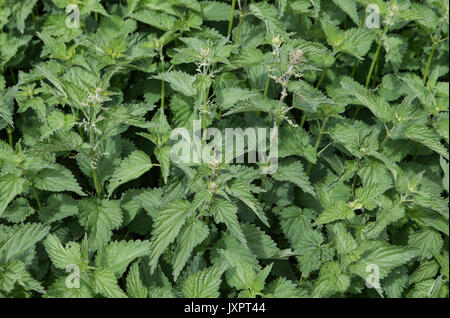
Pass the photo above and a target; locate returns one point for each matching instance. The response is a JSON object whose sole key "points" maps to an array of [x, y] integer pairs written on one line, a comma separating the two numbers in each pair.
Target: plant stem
{"points": [[162, 82], [266, 88], [372, 67], [205, 116], [98, 187], [316, 147], [427, 70], [10, 130], [238, 33], [230, 26], [303, 121], [375, 73], [324, 73], [435, 43], [33, 17], [36, 196], [377, 53]]}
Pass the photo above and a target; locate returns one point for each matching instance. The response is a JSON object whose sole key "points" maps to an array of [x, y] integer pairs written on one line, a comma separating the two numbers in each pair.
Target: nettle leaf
{"points": [[242, 192], [99, 218], [204, 283], [104, 282], [63, 257], [226, 212], [10, 186], [59, 206], [261, 244], [427, 241], [215, 11], [194, 232], [19, 239], [118, 255], [14, 274], [180, 82], [166, 228], [309, 251], [377, 105], [357, 42], [281, 288], [135, 286], [385, 256], [292, 171], [308, 98], [396, 282], [132, 167], [337, 211], [349, 7], [331, 280], [229, 96], [57, 179], [345, 242], [18, 211], [426, 137]]}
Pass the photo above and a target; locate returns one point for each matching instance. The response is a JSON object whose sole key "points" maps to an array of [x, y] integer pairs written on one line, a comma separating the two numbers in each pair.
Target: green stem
{"points": [[162, 82], [10, 130], [372, 67], [427, 70], [238, 33], [322, 77], [303, 121], [375, 73], [96, 16], [436, 41], [377, 53], [36, 196], [266, 88], [355, 66], [230, 26], [316, 147], [33, 17], [205, 116], [98, 187]]}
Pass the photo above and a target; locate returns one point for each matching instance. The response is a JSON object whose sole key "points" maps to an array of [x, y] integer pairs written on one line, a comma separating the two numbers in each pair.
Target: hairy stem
{"points": [[162, 82], [375, 59], [98, 187], [36, 197], [266, 88], [230, 25], [324, 73], [319, 139], [430, 59], [10, 130], [372, 67], [238, 33], [302, 124]]}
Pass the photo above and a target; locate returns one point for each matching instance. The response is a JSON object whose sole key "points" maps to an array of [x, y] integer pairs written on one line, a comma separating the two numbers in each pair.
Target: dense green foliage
{"points": [[86, 178]]}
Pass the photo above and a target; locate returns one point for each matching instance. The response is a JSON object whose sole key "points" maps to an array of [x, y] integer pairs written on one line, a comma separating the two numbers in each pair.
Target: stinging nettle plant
{"points": [[92, 204]]}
